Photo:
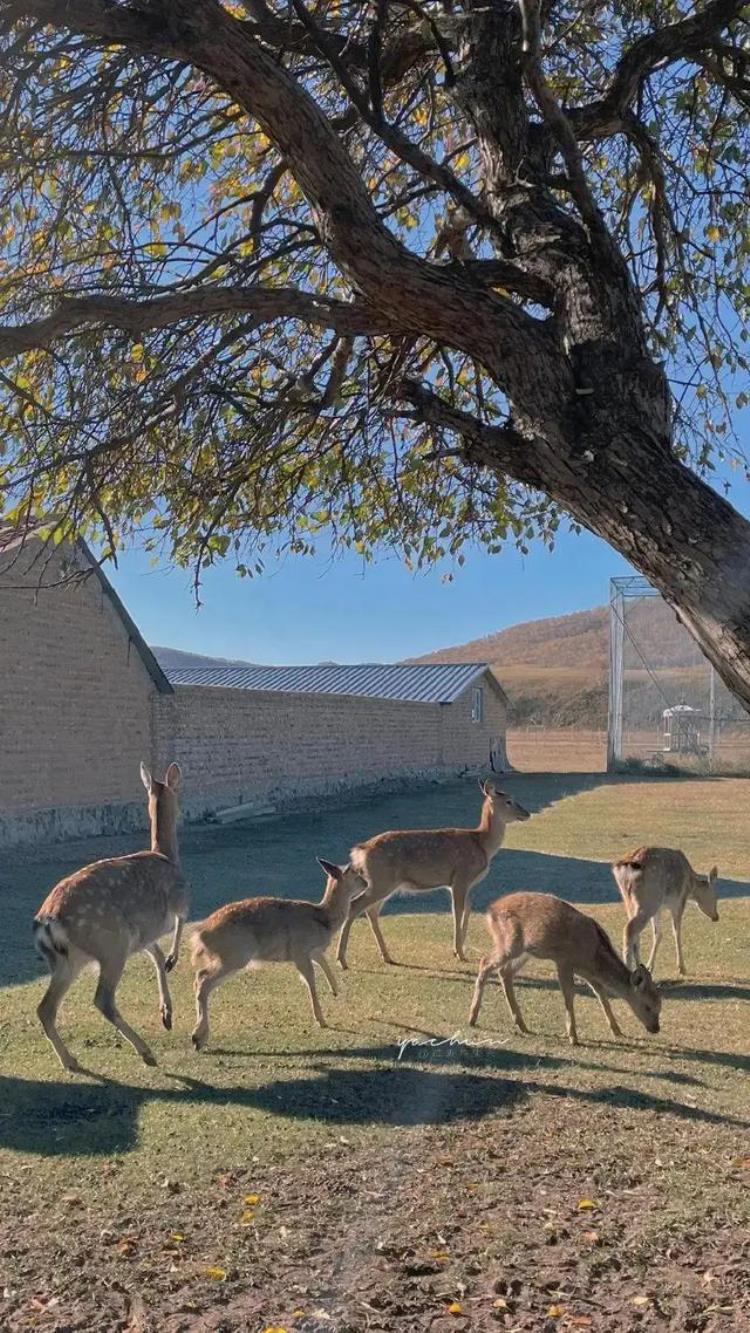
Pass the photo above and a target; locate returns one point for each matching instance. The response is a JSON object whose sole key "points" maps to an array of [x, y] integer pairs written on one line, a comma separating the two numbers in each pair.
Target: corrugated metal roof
{"points": [[430, 683]]}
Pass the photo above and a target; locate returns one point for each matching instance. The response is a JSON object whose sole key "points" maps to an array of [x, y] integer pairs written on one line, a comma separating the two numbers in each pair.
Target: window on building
{"points": [[477, 705]]}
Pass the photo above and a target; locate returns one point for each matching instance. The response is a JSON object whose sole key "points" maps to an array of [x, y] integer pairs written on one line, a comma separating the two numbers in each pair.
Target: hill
{"points": [[555, 670]]}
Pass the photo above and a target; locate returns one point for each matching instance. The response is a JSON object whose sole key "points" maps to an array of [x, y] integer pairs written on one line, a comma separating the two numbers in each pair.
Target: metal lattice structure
{"points": [[666, 703]]}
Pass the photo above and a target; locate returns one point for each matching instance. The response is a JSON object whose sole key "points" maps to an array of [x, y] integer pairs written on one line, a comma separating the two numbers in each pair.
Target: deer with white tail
{"points": [[539, 925], [111, 909], [271, 930], [419, 860], [654, 878]]}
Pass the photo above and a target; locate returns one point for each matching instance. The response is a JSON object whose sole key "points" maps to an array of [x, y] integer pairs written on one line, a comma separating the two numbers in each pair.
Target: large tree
{"points": [[415, 271]]}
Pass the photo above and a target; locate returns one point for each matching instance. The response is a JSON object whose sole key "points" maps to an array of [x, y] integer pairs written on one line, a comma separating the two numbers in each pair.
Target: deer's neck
{"points": [[612, 972], [335, 902], [164, 833], [491, 832]]}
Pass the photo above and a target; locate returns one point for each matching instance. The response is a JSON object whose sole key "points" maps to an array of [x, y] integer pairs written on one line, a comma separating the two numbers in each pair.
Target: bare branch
{"points": [[502, 448]]}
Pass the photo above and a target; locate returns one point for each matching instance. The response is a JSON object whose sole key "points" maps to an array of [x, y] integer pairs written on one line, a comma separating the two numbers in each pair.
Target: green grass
{"points": [[275, 1099]]}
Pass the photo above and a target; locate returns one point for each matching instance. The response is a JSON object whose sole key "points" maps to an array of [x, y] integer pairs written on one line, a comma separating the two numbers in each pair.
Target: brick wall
{"points": [[79, 710], [240, 746], [75, 704]]}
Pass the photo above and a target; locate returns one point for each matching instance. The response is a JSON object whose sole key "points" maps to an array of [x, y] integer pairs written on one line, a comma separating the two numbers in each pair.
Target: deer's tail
{"points": [[50, 940]]}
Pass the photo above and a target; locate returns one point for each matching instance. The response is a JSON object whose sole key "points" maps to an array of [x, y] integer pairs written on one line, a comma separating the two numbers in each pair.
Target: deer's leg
{"points": [[567, 986], [677, 931], [631, 937], [357, 906], [306, 970], [373, 916], [62, 979], [603, 999], [506, 981], [104, 999], [325, 967], [486, 966], [165, 1000], [461, 909], [205, 981], [656, 930], [174, 952]]}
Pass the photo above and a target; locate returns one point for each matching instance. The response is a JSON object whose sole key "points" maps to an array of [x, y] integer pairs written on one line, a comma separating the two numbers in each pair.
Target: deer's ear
{"points": [[146, 778], [330, 868], [640, 977], [173, 777], [713, 874]]}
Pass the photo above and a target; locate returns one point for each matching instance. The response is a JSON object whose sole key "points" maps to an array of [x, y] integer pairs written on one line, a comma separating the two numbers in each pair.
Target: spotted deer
{"points": [[539, 925], [654, 878], [111, 909], [270, 930], [418, 860]]}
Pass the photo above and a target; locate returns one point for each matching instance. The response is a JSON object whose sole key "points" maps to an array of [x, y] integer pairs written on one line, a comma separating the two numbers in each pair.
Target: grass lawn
{"points": [[397, 1170]]}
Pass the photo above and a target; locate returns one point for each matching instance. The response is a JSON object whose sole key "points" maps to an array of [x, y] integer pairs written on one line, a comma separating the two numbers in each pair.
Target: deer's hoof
{"points": [[149, 1059], [169, 962], [166, 1018], [198, 1042], [343, 964]]}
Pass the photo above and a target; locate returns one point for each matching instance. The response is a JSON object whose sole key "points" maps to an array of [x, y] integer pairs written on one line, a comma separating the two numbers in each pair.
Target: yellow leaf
{"points": [[252, 1199], [713, 233], [585, 1204], [218, 1274], [274, 1328], [499, 1304], [454, 1308], [442, 1255], [247, 1217], [137, 352], [177, 1237], [556, 1312], [641, 1300]]}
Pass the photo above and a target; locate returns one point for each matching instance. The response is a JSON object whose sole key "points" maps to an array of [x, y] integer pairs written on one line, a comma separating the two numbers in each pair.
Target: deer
{"points": [[271, 930], [418, 860], [111, 909], [539, 925], [653, 878]]}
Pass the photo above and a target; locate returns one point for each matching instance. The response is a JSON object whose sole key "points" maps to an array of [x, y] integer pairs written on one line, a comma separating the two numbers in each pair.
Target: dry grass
{"points": [[565, 750]]}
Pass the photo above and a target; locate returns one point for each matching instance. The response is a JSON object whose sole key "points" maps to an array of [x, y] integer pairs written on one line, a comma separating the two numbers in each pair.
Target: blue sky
{"points": [[306, 610]]}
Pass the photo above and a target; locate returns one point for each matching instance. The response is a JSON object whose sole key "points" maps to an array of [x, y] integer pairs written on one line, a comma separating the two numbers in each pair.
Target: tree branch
{"points": [[688, 37], [136, 317], [502, 448]]}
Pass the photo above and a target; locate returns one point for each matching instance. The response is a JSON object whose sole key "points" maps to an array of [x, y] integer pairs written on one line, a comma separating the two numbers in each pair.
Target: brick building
{"points": [[83, 699]]}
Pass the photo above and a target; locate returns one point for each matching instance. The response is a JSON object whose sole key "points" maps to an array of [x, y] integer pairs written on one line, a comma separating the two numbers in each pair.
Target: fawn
{"points": [[538, 925], [270, 930], [418, 860]]}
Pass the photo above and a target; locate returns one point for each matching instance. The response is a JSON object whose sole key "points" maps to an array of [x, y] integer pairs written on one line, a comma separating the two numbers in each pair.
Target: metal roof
{"points": [[428, 683]]}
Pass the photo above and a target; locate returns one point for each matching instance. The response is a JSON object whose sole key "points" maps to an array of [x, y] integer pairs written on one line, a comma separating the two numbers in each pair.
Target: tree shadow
{"points": [[54, 1118]]}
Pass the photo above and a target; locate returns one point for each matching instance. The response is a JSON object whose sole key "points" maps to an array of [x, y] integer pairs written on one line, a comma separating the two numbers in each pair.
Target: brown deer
{"points": [[651, 879], [538, 925], [110, 910], [271, 930], [418, 860]]}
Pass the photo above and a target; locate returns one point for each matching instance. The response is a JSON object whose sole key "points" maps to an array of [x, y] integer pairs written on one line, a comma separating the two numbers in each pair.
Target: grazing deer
{"points": [[418, 860], [271, 930], [538, 925], [110, 910], [651, 879]]}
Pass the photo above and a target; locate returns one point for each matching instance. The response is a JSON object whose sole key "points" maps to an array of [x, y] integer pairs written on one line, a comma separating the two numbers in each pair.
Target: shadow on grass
{"points": [[69, 1118]]}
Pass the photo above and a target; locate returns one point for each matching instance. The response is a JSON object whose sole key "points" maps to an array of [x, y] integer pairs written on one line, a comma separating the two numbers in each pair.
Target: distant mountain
{"points": [[172, 659]]}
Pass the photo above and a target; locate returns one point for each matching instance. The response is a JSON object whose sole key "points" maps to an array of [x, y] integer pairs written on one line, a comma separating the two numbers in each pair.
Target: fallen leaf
{"points": [[580, 1320], [247, 1217], [499, 1304], [454, 1308], [586, 1204], [274, 1328], [126, 1245], [218, 1274], [556, 1312], [298, 1314], [641, 1300], [177, 1237], [592, 1237], [442, 1255], [252, 1200]]}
